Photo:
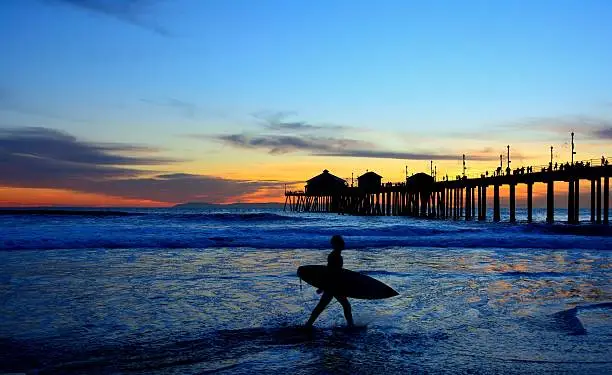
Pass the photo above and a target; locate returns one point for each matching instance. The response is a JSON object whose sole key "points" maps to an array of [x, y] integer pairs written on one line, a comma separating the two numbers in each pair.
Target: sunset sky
{"points": [[157, 102]]}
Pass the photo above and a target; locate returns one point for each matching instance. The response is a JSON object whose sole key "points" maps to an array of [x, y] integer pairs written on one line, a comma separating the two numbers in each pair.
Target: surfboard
{"points": [[348, 283]]}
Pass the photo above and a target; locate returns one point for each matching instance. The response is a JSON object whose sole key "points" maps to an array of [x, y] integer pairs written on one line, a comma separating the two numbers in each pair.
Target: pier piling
{"points": [[550, 201], [598, 200], [529, 202], [606, 197], [473, 204], [496, 212], [570, 202], [592, 201], [577, 202], [484, 202], [468, 203]]}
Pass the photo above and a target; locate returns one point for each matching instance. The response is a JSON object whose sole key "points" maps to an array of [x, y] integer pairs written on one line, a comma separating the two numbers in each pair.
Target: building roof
{"points": [[420, 179], [370, 175], [326, 176]]}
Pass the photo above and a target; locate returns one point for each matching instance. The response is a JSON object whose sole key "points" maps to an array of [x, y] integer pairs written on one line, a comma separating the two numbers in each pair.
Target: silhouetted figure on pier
{"points": [[334, 263], [603, 160]]}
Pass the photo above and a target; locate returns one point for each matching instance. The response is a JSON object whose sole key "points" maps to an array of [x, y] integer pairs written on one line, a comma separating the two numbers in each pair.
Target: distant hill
{"points": [[231, 205]]}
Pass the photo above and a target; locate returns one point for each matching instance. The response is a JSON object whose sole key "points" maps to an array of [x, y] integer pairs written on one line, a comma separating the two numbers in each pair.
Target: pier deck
{"points": [[464, 198]]}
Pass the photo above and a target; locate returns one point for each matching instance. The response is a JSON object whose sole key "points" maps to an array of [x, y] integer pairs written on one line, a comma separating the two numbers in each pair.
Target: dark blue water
{"points": [[196, 291]]}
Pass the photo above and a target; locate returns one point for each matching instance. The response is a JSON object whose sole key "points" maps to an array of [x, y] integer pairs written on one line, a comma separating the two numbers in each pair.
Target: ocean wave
{"points": [[81, 229], [296, 240], [225, 217], [566, 229], [189, 216]]}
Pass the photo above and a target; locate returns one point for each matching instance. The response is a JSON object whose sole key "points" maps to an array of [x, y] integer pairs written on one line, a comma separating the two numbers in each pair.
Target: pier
{"points": [[464, 198]]}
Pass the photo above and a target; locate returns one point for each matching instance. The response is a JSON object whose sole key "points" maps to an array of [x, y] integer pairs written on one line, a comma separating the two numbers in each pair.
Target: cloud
{"points": [[282, 137], [176, 188], [38, 157], [54, 146], [130, 11], [405, 155], [276, 121], [584, 126], [336, 147], [603, 133], [545, 129], [282, 144]]}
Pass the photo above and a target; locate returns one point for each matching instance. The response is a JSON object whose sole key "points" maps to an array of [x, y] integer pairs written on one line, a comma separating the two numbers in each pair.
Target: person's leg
{"points": [[346, 306], [323, 302]]}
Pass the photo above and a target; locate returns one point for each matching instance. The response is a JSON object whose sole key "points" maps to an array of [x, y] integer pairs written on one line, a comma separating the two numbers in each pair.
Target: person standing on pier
{"points": [[334, 263]]}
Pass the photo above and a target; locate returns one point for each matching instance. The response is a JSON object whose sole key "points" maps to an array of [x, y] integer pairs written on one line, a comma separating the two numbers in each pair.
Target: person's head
{"points": [[337, 242]]}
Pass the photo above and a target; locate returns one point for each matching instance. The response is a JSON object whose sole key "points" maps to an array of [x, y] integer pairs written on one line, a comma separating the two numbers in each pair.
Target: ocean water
{"points": [[168, 291]]}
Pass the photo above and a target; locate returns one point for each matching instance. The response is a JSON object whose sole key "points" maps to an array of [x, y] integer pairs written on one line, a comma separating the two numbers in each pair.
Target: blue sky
{"points": [[424, 77]]}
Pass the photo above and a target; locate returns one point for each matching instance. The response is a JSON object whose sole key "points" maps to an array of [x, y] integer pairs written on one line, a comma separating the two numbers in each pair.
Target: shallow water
{"points": [[234, 309]]}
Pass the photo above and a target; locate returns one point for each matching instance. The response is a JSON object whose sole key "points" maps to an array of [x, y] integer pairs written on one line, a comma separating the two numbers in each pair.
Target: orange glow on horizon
{"points": [[269, 195], [35, 197]]}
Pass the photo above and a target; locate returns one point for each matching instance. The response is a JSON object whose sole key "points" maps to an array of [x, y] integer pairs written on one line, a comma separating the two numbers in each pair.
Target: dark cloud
{"points": [[176, 188], [47, 158], [55, 146], [282, 144], [130, 11]]}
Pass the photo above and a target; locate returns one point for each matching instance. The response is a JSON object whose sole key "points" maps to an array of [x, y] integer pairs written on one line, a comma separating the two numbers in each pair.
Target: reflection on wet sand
{"points": [[237, 309]]}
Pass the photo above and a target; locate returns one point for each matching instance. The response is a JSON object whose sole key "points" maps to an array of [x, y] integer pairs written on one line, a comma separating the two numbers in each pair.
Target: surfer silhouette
{"points": [[334, 263]]}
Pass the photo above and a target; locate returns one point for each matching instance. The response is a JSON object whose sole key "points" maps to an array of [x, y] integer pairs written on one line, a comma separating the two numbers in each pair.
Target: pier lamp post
{"points": [[463, 165], [551, 155], [508, 156], [573, 152], [508, 167]]}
